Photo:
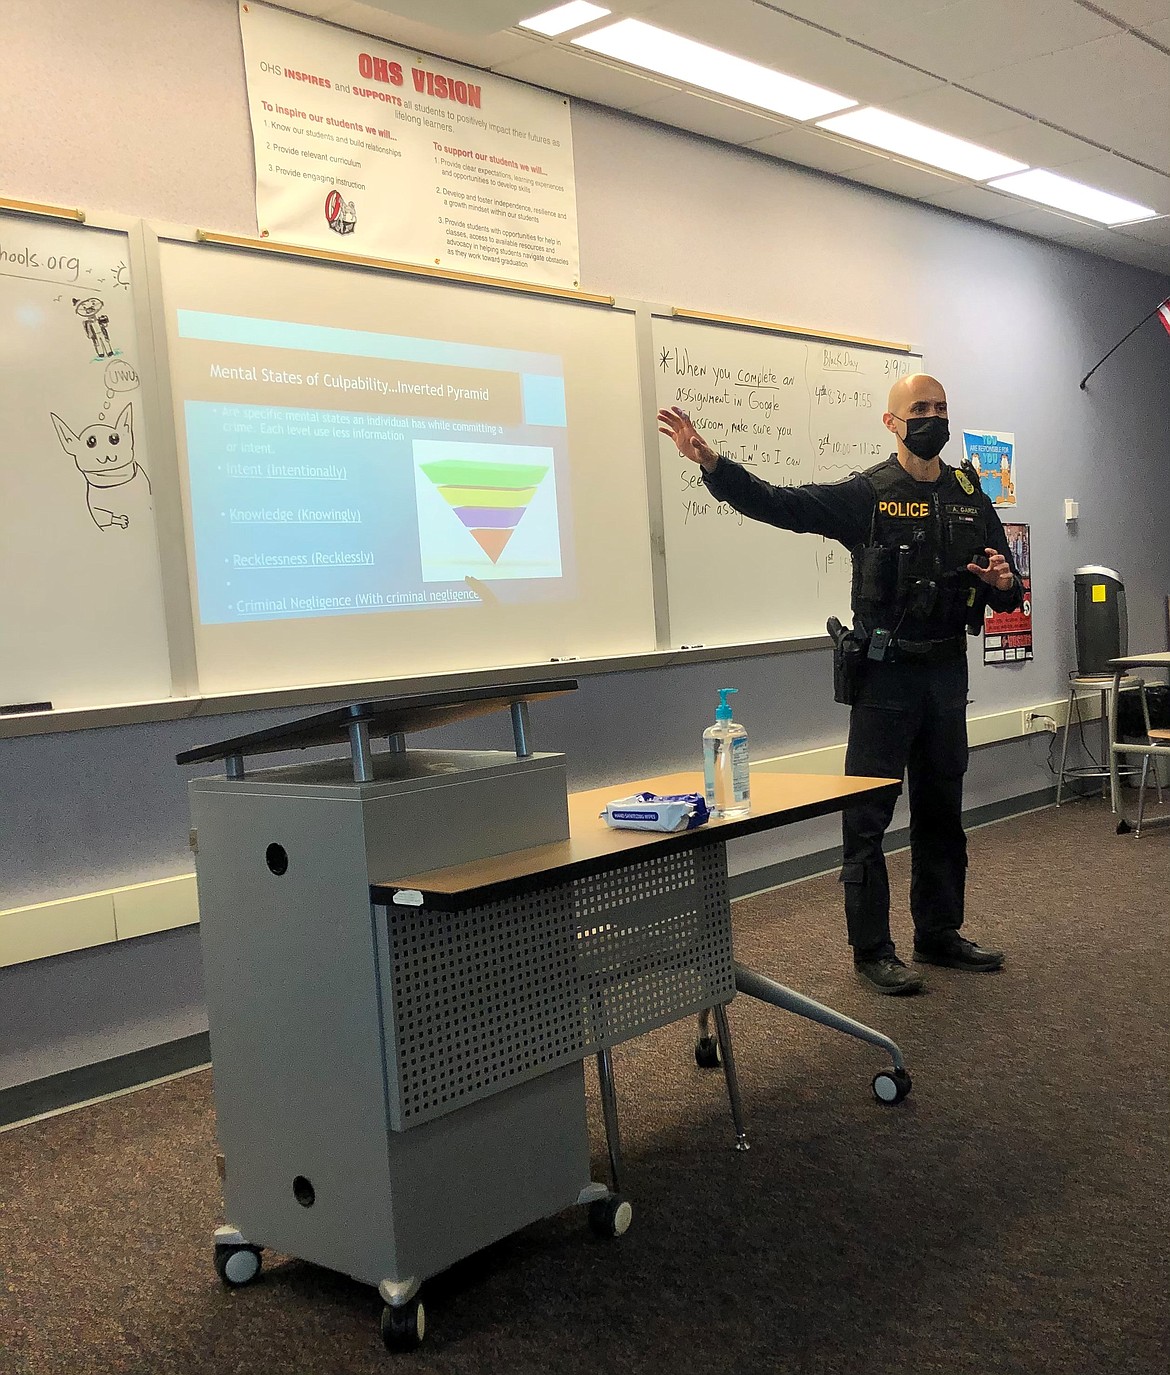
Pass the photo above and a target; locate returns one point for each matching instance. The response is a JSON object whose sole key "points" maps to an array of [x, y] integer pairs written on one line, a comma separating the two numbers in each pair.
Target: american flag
{"points": [[1164, 314]]}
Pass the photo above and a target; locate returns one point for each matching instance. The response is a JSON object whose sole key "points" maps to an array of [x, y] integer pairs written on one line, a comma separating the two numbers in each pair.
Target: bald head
{"points": [[920, 391], [918, 401]]}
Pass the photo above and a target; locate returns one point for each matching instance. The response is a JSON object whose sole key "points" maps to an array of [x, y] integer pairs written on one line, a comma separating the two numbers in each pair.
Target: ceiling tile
{"points": [[812, 149], [1048, 224], [713, 118], [1142, 255], [797, 49], [979, 201], [1159, 32], [974, 36], [1060, 85], [323, 9], [1138, 13], [1148, 231], [888, 175], [961, 113], [856, 17], [1138, 128], [581, 74], [458, 16], [1039, 145], [478, 50]]}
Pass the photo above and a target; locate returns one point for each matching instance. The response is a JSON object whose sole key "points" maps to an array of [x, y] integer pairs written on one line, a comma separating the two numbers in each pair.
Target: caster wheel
{"points": [[403, 1328], [610, 1217], [891, 1085], [707, 1052], [237, 1265]]}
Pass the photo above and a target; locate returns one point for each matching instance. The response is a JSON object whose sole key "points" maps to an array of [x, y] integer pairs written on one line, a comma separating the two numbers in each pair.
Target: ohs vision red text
{"points": [[429, 83]]}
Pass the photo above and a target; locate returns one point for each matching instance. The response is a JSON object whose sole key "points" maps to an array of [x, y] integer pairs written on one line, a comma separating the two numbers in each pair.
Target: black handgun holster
{"points": [[848, 657]]}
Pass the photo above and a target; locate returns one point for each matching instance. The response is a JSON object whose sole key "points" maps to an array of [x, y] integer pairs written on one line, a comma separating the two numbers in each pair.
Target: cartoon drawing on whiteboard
{"points": [[105, 458], [96, 325]]}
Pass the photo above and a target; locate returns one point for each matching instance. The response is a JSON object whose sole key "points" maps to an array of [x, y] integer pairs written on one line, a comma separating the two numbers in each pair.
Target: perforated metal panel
{"points": [[476, 1001], [653, 943]]}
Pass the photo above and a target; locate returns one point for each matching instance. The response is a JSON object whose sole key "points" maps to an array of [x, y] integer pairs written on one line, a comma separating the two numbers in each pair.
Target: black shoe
{"points": [[889, 975], [953, 952]]}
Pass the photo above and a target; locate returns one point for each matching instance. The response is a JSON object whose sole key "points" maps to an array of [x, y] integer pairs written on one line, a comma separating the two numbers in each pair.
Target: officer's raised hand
{"points": [[997, 574], [675, 423]]}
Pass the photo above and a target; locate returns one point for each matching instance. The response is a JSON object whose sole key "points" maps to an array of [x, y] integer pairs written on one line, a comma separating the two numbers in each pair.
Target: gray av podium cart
{"points": [[398, 1061], [349, 1139]]}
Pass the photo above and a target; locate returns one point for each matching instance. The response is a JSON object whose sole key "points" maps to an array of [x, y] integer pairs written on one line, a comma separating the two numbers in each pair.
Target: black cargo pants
{"points": [[909, 719]]}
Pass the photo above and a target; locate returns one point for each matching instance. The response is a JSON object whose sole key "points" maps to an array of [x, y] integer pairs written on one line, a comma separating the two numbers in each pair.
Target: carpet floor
{"points": [[1011, 1215]]}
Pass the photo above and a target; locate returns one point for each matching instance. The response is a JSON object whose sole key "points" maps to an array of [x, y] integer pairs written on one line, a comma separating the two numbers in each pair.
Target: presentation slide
{"points": [[337, 471]]}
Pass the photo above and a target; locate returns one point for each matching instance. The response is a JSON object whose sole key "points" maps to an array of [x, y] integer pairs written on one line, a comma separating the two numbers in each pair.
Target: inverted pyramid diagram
{"points": [[489, 498]]}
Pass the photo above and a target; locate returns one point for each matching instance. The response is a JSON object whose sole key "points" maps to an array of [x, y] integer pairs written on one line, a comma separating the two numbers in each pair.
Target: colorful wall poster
{"points": [[1007, 635], [992, 453], [375, 150]]}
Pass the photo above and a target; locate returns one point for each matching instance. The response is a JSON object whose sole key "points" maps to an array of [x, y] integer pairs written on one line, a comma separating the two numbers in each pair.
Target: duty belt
{"points": [[928, 651]]}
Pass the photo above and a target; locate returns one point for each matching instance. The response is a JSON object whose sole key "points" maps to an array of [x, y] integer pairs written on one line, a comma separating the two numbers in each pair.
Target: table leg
{"points": [[1114, 772], [777, 995], [741, 1141], [609, 1112]]}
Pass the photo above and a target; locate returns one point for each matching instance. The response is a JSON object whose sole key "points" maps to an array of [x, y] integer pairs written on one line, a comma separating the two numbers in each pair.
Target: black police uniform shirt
{"points": [[886, 506]]}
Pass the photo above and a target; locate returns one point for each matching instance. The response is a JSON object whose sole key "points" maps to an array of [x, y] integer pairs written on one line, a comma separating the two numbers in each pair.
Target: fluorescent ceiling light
{"points": [[564, 18], [669, 54], [910, 140], [1073, 196]]}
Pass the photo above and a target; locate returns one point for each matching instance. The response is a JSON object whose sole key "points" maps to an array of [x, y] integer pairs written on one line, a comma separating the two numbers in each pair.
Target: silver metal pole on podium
{"points": [[520, 729], [363, 756]]}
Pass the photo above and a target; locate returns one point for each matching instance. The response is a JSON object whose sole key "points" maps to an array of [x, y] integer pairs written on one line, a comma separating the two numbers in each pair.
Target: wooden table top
{"points": [[778, 799], [1158, 658]]}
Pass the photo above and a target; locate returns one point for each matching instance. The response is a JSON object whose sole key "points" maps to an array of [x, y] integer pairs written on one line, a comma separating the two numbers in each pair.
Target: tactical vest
{"points": [[911, 574]]}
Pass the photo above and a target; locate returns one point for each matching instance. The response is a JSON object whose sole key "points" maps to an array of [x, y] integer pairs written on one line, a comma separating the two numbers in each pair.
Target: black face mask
{"points": [[927, 435]]}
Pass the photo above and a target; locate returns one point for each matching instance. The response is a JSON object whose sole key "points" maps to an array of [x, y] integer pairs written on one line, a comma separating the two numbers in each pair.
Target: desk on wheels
{"points": [[610, 874], [1117, 748], [398, 1038]]}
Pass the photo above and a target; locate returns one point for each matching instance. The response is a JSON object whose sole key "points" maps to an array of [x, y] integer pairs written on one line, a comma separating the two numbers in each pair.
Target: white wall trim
{"points": [[43, 929]]}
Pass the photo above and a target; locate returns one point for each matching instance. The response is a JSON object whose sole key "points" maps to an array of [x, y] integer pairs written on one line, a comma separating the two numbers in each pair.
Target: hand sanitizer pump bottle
{"points": [[725, 762]]}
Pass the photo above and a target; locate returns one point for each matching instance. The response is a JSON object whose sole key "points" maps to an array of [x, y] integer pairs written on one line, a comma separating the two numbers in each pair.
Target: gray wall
{"points": [[1008, 322]]}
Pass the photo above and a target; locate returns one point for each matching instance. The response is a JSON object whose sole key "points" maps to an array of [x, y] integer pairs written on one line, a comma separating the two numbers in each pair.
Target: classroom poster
{"points": [[1007, 635], [371, 149], [992, 453]]}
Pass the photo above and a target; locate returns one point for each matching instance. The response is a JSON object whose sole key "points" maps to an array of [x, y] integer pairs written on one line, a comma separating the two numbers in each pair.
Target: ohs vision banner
{"points": [[370, 149]]}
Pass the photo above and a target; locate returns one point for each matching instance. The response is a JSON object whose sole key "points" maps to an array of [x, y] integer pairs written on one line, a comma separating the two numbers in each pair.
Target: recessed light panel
{"points": [[1063, 194], [563, 18], [670, 54], [897, 135]]}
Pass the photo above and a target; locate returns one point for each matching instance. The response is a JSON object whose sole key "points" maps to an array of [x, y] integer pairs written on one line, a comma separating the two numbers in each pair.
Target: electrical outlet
{"points": [[1035, 723]]}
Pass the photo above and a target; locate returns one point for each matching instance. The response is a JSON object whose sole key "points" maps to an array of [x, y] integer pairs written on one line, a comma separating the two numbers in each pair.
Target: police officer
{"points": [[929, 553]]}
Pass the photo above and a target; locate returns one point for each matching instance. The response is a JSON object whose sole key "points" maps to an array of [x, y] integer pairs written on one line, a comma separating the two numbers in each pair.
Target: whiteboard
{"points": [[81, 618], [794, 411], [384, 476]]}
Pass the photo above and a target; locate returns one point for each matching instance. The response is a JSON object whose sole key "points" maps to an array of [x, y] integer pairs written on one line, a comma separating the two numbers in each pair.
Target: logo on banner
{"points": [[340, 214]]}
